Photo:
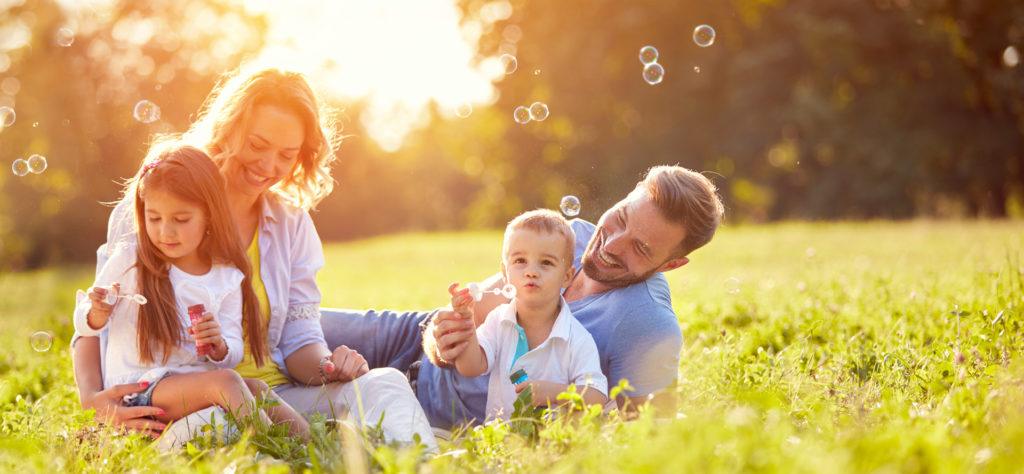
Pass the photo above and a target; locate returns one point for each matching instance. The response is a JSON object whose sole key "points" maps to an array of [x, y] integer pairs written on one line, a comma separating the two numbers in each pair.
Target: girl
{"points": [[188, 254]]}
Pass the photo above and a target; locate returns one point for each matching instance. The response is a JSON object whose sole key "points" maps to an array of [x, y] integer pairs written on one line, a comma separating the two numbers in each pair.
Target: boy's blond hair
{"points": [[542, 220]]}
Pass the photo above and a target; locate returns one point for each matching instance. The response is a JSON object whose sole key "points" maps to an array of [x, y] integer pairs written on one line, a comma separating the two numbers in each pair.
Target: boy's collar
{"points": [[559, 329]]}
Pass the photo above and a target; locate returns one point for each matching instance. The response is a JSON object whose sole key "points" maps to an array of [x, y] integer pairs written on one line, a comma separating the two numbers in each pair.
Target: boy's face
{"points": [[537, 264]]}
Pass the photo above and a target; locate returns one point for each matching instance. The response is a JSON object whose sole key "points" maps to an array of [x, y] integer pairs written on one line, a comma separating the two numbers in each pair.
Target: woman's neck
{"points": [[245, 212]]}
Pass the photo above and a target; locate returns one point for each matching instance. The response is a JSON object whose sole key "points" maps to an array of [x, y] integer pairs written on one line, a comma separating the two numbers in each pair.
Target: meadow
{"points": [[808, 347]]}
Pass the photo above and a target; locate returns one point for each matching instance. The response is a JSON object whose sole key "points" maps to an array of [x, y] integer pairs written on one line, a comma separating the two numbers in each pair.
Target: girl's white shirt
{"points": [[219, 291], [290, 256]]}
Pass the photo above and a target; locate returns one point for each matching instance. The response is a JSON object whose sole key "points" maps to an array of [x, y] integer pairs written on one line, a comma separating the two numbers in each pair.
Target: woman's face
{"points": [[269, 152]]}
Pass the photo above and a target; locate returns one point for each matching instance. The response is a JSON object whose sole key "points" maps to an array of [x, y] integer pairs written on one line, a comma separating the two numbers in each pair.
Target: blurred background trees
{"points": [[802, 109]]}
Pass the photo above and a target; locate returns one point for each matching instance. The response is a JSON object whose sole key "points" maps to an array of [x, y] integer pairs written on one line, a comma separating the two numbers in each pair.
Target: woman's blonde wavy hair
{"points": [[225, 115]]}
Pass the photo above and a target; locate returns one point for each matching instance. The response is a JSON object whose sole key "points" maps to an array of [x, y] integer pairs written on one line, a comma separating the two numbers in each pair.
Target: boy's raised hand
{"points": [[462, 301]]}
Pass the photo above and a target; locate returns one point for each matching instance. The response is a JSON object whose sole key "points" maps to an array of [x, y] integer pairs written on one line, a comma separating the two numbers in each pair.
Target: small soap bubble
{"points": [[475, 291], [509, 62], [654, 73], [464, 110], [570, 206], [508, 291], [538, 111], [65, 37], [704, 36], [35, 124], [1011, 57], [37, 164], [41, 341], [648, 55], [521, 115], [732, 285], [20, 167], [696, 69], [7, 116], [146, 112], [536, 72]]}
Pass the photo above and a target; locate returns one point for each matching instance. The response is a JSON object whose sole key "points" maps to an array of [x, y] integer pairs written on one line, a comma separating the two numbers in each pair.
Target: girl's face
{"points": [[174, 226], [269, 152]]}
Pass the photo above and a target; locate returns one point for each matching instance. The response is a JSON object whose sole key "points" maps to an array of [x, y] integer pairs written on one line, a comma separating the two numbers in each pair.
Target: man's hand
{"points": [[345, 365], [110, 410]]}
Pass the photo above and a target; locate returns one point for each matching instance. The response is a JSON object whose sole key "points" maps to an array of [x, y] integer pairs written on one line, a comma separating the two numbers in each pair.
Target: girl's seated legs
{"points": [[181, 394]]}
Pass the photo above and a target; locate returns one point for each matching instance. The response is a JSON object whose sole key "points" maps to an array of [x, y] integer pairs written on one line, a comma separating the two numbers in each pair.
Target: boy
{"points": [[534, 338]]}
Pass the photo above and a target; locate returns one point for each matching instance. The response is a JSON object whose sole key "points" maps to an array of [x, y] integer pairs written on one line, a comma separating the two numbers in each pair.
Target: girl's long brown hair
{"points": [[190, 175]]}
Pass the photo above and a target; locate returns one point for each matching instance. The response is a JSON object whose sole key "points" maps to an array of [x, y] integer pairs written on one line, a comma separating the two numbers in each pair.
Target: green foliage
{"points": [[802, 109]]}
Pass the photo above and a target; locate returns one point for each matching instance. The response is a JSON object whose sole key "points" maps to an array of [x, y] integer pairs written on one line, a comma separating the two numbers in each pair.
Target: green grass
{"points": [[850, 347]]}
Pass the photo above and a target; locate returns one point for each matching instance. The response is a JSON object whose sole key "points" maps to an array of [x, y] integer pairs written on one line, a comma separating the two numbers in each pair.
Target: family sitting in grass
{"points": [[215, 235]]}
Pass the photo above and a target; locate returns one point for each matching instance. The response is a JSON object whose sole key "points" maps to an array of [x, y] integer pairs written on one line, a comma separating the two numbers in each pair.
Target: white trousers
{"points": [[380, 392]]}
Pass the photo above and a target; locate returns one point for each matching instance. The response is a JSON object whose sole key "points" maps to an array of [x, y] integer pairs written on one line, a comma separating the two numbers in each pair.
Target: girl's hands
{"points": [[99, 311], [207, 331]]}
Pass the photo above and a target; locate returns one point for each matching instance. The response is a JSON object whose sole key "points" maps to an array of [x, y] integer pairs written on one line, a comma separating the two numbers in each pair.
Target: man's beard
{"points": [[592, 271]]}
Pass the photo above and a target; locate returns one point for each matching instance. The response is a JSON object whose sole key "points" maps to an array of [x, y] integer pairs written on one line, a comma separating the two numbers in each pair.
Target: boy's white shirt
{"points": [[568, 355], [219, 291]]}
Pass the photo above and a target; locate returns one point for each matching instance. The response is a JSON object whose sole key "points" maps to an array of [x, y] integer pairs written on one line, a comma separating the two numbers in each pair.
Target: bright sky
{"points": [[394, 56]]}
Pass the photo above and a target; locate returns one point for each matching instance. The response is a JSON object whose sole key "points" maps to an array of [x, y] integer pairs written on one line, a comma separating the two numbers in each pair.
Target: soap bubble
{"points": [[521, 115], [570, 206], [464, 110], [37, 164], [7, 117], [65, 37], [1011, 57], [41, 341], [704, 36], [475, 291], [509, 62], [508, 291], [20, 167], [648, 55], [654, 73], [538, 111], [696, 69], [536, 72], [146, 112], [732, 285]]}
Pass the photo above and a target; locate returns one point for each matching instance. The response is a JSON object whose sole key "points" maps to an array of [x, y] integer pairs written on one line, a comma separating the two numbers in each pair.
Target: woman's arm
{"points": [[302, 344], [85, 357], [304, 365]]}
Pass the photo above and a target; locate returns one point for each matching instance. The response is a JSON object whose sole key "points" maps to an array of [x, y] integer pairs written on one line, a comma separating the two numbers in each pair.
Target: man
{"points": [[618, 293]]}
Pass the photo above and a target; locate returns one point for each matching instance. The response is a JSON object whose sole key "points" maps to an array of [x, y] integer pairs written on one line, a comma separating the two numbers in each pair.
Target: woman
{"points": [[274, 147]]}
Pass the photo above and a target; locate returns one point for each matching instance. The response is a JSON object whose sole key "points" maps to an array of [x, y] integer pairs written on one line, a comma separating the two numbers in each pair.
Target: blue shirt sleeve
{"points": [[645, 354]]}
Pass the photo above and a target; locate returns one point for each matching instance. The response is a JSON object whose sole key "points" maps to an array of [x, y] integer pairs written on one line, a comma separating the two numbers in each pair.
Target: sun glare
{"points": [[395, 57]]}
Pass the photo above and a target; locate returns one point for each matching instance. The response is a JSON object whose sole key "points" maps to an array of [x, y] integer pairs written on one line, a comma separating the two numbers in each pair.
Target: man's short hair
{"points": [[688, 198], [542, 221]]}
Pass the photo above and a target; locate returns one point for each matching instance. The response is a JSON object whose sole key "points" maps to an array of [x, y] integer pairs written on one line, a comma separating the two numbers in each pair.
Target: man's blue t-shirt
{"points": [[636, 332]]}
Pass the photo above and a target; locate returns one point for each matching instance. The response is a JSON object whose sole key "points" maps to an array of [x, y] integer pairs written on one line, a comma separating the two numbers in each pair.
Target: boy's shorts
{"points": [[145, 397]]}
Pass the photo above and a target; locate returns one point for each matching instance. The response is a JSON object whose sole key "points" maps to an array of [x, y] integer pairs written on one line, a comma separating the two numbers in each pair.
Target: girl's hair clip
{"points": [[148, 166]]}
